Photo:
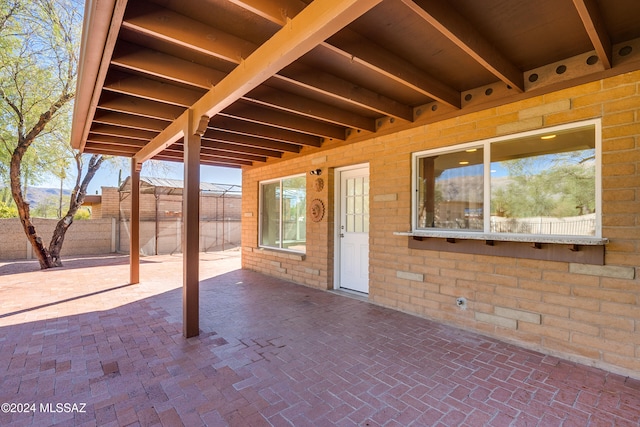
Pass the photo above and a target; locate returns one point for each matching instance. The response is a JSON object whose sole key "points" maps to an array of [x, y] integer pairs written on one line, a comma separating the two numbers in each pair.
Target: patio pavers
{"points": [[269, 353]]}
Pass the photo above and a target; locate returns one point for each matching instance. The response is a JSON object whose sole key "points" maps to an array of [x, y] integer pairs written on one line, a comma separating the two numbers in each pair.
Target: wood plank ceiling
{"points": [[401, 63]]}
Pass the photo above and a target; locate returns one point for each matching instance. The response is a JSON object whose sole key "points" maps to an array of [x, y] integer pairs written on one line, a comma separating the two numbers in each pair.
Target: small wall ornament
{"points": [[316, 210], [318, 184]]}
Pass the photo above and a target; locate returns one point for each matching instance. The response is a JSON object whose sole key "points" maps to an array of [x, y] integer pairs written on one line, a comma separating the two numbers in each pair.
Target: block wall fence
{"points": [[586, 313], [160, 227], [90, 237]]}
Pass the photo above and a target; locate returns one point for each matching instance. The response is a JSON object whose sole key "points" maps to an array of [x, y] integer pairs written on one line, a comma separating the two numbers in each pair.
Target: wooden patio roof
{"points": [[261, 78]]}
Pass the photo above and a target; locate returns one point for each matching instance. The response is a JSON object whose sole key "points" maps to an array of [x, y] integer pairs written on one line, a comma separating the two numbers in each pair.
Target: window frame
{"points": [[280, 229], [486, 146]]}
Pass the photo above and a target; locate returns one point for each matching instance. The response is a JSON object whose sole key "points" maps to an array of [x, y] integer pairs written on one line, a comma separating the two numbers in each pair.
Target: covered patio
{"points": [[250, 83], [269, 353]]}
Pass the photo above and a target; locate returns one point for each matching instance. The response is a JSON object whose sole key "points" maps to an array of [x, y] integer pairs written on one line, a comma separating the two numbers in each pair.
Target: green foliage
{"points": [[8, 210], [547, 186], [7, 205], [82, 214], [47, 208], [38, 60], [39, 45]]}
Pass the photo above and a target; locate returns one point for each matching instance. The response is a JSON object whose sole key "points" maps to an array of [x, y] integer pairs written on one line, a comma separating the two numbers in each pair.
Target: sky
{"points": [[107, 175]]}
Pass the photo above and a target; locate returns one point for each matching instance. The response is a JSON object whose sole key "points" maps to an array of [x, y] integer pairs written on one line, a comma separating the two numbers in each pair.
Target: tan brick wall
{"points": [[110, 203], [585, 313]]}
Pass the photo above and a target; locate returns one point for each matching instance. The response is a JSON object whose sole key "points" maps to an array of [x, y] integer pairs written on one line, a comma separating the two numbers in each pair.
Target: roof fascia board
{"points": [[99, 34]]}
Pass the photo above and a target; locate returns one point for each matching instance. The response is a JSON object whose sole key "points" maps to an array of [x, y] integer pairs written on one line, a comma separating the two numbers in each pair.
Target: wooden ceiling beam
{"points": [[147, 61], [163, 92], [230, 160], [230, 124], [141, 107], [220, 159], [223, 136], [113, 140], [128, 121], [349, 44], [270, 117], [178, 149], [155, 64], [107, 150], [240, 148], [223, 154], [206, 162], [121, 149], [594, 24], [458, 30], [177, 29], [337, 88], [124, 132], [310, 108], [152, 90], [154, 21], [356, 48], [317, 22]]}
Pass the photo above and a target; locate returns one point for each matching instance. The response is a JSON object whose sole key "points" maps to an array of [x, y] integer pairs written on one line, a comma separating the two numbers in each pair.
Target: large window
{"points": [[283, 214], [539, 183]]}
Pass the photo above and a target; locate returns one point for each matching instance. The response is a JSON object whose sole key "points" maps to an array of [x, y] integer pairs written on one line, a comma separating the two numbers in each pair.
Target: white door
{"points": [[353, 229]]}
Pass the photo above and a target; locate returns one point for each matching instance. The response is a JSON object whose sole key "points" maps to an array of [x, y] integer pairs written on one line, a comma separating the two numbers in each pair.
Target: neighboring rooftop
{"points": [[175, 186]]}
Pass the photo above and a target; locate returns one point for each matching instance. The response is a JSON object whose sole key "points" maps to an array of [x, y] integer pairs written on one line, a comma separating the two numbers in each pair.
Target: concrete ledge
{"points": [[603, 270], [415, 277], [313, 271], [281, 253], [525, 316], [497, 320]]}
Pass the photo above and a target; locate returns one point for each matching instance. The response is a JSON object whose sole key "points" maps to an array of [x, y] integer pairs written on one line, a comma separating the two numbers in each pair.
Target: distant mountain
{"points": [[37, 195]]}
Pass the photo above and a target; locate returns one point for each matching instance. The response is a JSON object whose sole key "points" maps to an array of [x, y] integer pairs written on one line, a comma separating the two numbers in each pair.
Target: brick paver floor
{"points": [[270, 353]]}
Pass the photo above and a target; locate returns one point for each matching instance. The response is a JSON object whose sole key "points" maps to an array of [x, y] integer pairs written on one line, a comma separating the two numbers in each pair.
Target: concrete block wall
{"points": [[586, 313], [89, 237]]}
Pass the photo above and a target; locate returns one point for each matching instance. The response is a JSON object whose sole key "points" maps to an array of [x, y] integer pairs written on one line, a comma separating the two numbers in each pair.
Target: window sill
{"points": [[504, 237], [578, 249], [283, 253]]}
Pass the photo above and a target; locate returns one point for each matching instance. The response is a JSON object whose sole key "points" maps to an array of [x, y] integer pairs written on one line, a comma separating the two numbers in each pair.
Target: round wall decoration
{"points": [[318, 184], [316, 209]]}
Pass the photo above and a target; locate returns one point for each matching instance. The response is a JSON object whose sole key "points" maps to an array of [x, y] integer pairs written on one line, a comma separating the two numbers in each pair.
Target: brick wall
{"points": [[581, 312], [110, 203]]}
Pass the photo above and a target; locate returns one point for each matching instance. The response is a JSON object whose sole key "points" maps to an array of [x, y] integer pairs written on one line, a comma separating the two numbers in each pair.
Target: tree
{"points": [[554, 185], [38, 66]]}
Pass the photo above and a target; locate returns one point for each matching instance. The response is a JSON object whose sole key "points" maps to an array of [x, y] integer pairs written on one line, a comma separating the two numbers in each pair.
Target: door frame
{"points": [[337, 193]]}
